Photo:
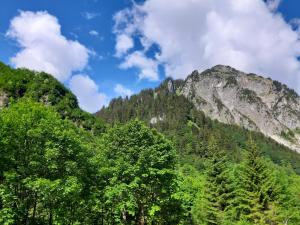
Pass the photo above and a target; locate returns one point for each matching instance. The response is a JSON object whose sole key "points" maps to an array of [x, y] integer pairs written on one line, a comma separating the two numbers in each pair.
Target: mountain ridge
{"points": [[248, 100]]}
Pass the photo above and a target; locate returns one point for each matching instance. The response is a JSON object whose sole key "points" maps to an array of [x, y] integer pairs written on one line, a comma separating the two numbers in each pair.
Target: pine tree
{"points": [[218, 188], [257, 189]]}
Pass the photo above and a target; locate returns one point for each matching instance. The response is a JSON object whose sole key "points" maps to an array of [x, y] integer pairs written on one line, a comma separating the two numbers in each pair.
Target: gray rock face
{"points": [[171, 87], [3, 99], [256, 103]]}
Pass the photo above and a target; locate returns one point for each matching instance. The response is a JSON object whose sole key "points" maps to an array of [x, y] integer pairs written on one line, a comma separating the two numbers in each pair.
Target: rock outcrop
{"points": [[3, 99], [256, 103]]}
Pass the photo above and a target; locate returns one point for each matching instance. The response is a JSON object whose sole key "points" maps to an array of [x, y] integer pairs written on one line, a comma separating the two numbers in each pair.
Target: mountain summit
{"points": [[248, 100]]}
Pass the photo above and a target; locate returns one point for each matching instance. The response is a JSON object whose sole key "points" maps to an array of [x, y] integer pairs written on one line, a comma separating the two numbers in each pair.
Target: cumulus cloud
{"points": [[122, 91], [43, 47], [246, 34], [87, 91], [148, 67], [124, 43], [273, 4]]}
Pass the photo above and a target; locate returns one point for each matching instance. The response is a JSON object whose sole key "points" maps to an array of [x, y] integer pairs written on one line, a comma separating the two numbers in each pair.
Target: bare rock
{"points": [[256, 103]]}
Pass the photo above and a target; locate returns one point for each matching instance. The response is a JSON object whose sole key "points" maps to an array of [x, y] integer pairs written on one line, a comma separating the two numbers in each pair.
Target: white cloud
{"points": [[148, 67], [43, 47], [122, 91], [89, 97], [273, 4], [94, 33], [90, 15], [123, 44], [197, 34]]}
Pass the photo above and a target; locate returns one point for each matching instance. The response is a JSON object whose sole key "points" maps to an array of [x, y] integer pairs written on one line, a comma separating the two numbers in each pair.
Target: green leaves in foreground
{"points": [[43, 164], [52, 172], [141, 166]]}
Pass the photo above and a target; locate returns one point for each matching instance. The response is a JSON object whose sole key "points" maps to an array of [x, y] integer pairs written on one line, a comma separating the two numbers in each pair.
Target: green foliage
{"points": [[218, 189], [257, 189], [140, 164], [53, 172], [44, 166], [231, 81], [212, 204], [249, 96], [278, 85], [42, 87], [289, 135]]}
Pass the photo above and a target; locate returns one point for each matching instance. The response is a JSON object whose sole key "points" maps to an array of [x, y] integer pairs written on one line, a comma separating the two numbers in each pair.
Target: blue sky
{"points": [[157, 39], [71, 15]]}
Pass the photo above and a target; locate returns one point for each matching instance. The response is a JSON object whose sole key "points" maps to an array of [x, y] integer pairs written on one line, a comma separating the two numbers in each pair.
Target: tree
{"points": [[141, 164], [218, 188], [257, 190], [45, 175]]}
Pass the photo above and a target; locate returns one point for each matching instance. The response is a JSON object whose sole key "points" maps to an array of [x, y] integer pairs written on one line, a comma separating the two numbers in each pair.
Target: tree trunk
{"points": [[124, 217], [142, 220], [34, 211], [50, 218]]}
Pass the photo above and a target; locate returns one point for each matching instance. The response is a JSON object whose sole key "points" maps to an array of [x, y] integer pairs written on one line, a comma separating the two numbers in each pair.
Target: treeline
{"points": [[54, 172]]}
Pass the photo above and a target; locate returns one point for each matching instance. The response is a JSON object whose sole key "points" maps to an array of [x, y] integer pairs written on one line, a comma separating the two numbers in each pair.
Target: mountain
{"points": [[232, 97], [174, 109], [248, 100]]}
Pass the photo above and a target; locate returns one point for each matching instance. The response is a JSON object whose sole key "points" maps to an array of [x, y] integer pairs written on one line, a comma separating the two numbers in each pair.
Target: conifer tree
{"points": [[218, 185], [257, 190]]}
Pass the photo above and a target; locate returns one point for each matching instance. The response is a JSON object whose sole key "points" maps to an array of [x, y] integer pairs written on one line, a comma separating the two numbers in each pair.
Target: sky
{"points": [[102, 49]]}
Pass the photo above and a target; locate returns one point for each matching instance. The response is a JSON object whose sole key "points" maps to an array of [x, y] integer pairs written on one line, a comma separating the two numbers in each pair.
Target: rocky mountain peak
{"points": [[223, 69], [248, 100]]}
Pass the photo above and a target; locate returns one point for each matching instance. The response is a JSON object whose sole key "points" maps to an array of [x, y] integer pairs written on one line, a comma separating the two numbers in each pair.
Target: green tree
{"points": [[45, 174], [289, 196], [257, 189], [142, 168], [218, 188]]}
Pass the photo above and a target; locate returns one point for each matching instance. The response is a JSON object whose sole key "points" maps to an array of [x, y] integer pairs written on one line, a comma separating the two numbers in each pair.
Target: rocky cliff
{"points": [[256, 103]]}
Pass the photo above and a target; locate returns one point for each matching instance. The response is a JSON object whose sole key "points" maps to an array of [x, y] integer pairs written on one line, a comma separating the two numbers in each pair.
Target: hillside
{"points": [[18, 83], [167, 109]]}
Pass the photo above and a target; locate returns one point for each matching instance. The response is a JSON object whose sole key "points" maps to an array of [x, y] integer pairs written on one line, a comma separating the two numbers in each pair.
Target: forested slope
{"points": [[44, 88], [60, 165], [175, 116]]}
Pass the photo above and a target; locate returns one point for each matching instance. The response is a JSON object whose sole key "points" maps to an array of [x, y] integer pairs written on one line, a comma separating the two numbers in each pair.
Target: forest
{"points": [[60, 165]]}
